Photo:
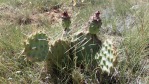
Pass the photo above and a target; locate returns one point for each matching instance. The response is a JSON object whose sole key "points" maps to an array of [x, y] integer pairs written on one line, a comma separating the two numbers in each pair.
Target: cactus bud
{"points": [[95, 23], [65, 20]]}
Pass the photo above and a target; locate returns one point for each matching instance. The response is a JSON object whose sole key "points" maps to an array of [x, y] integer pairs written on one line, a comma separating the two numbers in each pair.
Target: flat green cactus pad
{"points": [[66, 23], [59, 53], [37, 48], [59, 61], [85, 47], [94, 28], [107, 56]]}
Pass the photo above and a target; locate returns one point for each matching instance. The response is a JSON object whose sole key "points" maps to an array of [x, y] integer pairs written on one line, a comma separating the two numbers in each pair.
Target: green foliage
{"points": [[132, 63], [37, 47], [121, 7]]}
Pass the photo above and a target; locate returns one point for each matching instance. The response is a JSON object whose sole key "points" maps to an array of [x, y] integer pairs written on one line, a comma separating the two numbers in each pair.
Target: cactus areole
{"points": [[95, 23], [65, 20]]}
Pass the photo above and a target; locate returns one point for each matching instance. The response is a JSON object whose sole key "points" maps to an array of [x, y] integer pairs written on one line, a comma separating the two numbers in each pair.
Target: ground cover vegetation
{"points": [[74, 42]]}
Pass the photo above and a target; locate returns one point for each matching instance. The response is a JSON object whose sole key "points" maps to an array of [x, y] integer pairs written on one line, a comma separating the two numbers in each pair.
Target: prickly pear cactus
{"points": [[59, 52], [37, 48], [85, 47], [107, 56], [59, 61]]}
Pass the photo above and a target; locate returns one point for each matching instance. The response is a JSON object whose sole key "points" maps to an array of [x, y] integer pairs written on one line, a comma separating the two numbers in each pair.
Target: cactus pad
{"points": [[66, 20], [94, 27], [37, 48], [85, 47], [107, 56], [95, 23], [59, 52], [59, 60]]}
